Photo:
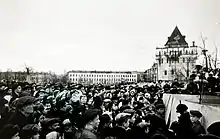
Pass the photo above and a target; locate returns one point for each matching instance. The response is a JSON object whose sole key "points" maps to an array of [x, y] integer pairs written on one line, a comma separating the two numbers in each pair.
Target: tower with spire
{"points": [[176, 59]]}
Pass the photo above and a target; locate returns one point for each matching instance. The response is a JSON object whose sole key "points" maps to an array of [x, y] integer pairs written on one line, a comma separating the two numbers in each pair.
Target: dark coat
{"points": [[198, 128], [119, 133], [192, 88], [87, 134], [183, 128], [156, 134], [19, 119]]}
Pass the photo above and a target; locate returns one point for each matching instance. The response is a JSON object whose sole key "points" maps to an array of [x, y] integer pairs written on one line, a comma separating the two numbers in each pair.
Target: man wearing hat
{"points": [[211, 82], [30, 131], [195, 116], [160, 110], [192, 87], [90, 123], [122, 125], [24, 108], [183, 127]]}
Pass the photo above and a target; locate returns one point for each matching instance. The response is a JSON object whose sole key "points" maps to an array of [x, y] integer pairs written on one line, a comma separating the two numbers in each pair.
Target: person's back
{"points": [[87, 134], [211, 83], [175, 84], [166, 87], [192, 88]]}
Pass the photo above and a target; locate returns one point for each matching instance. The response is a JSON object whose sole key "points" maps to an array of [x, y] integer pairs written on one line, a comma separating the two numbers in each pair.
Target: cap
{"points": [[181, 108], [158, 106], [24, 101], [105, 118], [107, 100], [90, 115], [196, 113], [130, 111], [121, 116], [50, 121], [29, 130]]}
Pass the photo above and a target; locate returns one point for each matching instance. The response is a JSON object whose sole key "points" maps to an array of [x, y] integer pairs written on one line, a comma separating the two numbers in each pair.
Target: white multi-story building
{"points": [[176, 59], [103, 77]]}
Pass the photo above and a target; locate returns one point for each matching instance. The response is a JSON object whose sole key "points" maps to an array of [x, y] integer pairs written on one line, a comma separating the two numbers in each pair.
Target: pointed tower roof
{"points": [[176, 38]]}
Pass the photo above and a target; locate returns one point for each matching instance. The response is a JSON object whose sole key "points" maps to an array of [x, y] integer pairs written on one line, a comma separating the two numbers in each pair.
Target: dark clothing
{"points": [[106, 132], [175, 85], [218, 84], [211, 83], [119, 133], [166, 88], [175, 88], [14, 96], [198, 128], [137, 133], [19, 119], [87, 134], [183, 127], [192, 88], [156, 134]]}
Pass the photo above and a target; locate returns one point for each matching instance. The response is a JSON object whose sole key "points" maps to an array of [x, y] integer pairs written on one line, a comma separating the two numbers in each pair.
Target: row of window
{"points": [[173, 60], [91, 75], [172, 72], [92, 78], [179, 52], [72, 79]]}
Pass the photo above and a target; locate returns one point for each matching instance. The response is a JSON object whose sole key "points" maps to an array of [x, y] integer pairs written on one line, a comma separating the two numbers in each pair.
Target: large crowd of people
{"points": [[76, 111], [205, 83]]}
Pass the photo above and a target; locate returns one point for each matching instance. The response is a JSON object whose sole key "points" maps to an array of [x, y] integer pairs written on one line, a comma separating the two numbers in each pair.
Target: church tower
{"points": [[176, 59]]}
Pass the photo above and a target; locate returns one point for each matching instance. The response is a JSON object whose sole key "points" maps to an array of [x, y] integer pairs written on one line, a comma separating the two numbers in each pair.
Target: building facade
{"points": [[176, 59], [36, 77], [101, 77], [151, 74], [141, 77], [40, 77]]}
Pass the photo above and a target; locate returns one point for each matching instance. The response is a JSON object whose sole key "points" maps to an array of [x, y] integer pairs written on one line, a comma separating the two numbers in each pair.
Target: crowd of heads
{"points": [[76, 111]]}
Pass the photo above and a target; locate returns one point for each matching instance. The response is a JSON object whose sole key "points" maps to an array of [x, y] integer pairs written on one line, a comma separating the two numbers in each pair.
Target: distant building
{"points": [[151, 74], [176, 59], [36, 77], [140, 77], [103, 77], [16, 76], [40, 77]]}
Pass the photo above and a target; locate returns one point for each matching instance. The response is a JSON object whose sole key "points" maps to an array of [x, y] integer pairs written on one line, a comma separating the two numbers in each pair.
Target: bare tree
{"points": [[64, 78]]}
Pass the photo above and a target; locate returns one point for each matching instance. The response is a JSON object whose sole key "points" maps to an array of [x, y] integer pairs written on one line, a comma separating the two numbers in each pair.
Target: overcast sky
{"points": [[99, 34]]}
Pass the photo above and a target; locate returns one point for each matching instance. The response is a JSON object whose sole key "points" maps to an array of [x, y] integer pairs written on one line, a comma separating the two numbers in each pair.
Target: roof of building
{"points": [[176, 38], [122, 72]]}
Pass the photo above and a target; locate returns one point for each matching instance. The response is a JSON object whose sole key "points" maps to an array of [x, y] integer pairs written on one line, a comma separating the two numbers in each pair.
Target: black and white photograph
{"points": [[110, 69]]}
